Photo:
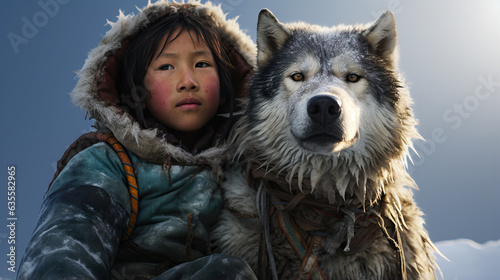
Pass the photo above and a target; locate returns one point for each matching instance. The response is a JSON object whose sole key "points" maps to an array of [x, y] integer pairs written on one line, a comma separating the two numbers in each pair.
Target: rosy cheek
{"points": [[158, 100], [212, 89]]}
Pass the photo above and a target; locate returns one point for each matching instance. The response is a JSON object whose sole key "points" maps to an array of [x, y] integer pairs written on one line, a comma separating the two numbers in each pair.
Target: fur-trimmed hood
{"points": [[96, 91]]}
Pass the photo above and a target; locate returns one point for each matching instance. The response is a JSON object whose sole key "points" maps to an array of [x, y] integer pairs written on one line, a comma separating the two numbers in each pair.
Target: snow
{"points": [[469, 260]]}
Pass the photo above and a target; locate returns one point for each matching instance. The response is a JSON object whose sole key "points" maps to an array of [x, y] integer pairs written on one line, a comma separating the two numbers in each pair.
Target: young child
{"points": [[162, 83]]}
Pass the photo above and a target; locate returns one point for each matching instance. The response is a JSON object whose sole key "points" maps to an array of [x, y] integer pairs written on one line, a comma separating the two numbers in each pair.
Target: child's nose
{"points": [[187, 82]]}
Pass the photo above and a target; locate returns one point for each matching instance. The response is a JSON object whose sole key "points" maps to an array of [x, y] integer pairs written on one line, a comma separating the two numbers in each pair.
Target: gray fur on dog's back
{"points": [[329, 116]]}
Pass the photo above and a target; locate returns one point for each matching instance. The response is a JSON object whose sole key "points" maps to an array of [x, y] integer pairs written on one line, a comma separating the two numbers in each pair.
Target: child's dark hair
{"points": [[141, 49]]}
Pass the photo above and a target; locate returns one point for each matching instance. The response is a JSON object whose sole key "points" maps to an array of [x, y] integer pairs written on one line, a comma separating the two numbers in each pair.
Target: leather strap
{"points": [[309, 268]]}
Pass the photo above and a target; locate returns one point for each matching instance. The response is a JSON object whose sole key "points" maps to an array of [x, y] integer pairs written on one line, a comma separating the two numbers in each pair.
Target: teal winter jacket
{"points": [[87, 209]]}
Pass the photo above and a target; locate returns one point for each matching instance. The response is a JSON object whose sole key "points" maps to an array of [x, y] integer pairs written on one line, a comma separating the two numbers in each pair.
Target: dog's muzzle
{"points": [[321, 130]]}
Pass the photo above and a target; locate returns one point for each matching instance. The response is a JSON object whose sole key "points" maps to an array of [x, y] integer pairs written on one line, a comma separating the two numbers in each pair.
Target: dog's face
{"points": [[327, 90]]}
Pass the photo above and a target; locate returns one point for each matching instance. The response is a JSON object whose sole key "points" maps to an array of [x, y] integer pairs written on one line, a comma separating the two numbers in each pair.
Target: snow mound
{"points": [[469, 260]]}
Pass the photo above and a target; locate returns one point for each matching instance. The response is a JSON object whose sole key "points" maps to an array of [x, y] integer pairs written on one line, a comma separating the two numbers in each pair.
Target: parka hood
{"points": [[96, 90]]}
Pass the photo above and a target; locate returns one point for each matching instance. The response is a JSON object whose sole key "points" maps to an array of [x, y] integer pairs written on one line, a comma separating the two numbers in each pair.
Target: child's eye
{"points": [[202, 64], [166, 67]]}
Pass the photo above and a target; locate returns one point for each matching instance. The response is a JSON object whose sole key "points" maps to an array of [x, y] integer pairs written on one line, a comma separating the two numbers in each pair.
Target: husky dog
{"points": [[325, 140]]}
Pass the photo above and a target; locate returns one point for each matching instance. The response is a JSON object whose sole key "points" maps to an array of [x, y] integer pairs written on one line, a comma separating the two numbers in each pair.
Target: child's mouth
{"points": [[188, 103]]}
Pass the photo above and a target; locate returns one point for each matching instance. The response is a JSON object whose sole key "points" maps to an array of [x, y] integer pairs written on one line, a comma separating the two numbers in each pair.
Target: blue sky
{"points": [[449, 52]]}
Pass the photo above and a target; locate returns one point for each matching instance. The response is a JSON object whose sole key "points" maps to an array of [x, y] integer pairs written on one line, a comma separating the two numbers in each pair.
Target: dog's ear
{"points": [[383, 37], [271, 35]]}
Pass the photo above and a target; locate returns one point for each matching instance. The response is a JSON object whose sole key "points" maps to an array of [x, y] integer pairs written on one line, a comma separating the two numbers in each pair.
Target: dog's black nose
{"points": [[323, 109]]}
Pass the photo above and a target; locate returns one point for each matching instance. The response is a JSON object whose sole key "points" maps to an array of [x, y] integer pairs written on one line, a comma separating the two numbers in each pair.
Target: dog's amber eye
{"points": [[298, 77], [353, 78]]}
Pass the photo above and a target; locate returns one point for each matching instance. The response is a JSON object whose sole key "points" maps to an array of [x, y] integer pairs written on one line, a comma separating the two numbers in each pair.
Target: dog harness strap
{"points": [[263, 211], [316, 272], [309, 268], [310, 265], [292, 233]]}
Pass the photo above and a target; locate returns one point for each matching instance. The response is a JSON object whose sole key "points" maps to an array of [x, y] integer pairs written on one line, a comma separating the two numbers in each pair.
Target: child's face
{"points": [[184, 84]]}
